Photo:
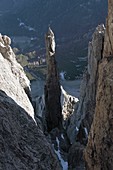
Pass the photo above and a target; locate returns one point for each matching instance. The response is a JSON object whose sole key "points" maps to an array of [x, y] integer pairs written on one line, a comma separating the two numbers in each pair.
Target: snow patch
{"points": [[86, 132], [22, 24], [62, 74], [100, 32], [72, 61], [77, 129], [62, 136], [33, 38], [63, 163]]}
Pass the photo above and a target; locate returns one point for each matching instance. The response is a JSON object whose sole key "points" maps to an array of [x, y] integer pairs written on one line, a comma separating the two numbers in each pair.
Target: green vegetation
{"points": [[31, 68], [41, 70], [30, 76], [22, 59]]}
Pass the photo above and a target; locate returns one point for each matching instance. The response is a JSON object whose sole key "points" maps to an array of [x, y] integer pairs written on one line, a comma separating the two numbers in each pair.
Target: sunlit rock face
{"points": [[69, 103], [22, 142], [52, 86], [12, 77], [108, 44], [99, 151]]}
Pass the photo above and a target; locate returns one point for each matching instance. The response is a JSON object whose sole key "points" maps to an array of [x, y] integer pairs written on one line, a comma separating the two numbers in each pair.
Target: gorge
{"points": [[52, 129]]}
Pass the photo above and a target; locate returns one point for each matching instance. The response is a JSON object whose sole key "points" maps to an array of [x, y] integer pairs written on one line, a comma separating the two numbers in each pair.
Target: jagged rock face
{"points": [[75, 157], [81, 120], [13, 80], [52, 86], [22, 142], [69, 103], [99, 151], [108, 44], [94, 57], [84, 113]]}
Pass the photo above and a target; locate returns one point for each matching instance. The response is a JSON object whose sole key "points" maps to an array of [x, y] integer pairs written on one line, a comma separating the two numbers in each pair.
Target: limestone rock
{"points": [[81, 120], [99, 151], [22, 142], [108, 44], [52, 86], [75, 157], [39, 109], [69, 103], [13, 80], [95, 50], [83, 115], [38, 100]]}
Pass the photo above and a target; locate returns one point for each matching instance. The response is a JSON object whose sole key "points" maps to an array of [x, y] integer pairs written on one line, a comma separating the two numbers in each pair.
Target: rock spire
{"points": [[52, 86]]}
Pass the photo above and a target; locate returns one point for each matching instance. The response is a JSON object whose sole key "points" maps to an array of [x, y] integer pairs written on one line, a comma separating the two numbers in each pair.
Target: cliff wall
{"points": [[22, 142], [99, 151], [82, 118]]}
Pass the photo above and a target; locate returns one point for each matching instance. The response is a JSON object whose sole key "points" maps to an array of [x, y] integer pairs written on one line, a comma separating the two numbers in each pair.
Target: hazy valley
{"points": [[72, 21]]}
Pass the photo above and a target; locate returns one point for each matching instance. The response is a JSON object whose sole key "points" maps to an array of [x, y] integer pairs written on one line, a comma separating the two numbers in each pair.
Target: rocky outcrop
{"points": [[69, 103], [91, 76], [99, 151], [108, 43], [81, 120], [13, 80], [83, 115], [52, 86], [22, 142], [75, 157]]}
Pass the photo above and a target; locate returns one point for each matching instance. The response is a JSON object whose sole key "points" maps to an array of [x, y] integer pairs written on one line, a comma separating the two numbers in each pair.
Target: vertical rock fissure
{"points": [[97, 75], [52, 86]]}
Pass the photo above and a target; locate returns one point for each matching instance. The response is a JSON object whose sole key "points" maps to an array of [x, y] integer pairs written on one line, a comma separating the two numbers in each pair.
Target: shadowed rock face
{"points": [[52, 86], [87, 108], [82, 118], [99, 151], [22, 142]]}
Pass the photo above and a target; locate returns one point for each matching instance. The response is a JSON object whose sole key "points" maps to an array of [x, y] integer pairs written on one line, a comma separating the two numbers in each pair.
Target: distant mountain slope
{"points": [[73, 22]]}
